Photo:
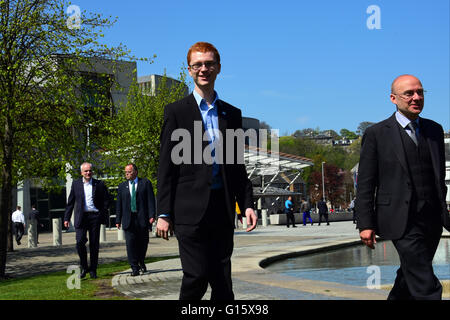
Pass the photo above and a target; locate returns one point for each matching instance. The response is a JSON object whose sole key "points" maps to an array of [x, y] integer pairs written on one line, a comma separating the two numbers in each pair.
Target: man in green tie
{"points": [[135, 212]]}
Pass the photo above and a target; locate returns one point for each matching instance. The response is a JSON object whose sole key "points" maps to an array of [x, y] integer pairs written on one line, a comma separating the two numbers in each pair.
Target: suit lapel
{"points": [[394, 138], [197, 116], [194, 112], [222, 115], [126, 190], [138, 187], [223, 125], [94, 187], [426, 132], [80, 183]]}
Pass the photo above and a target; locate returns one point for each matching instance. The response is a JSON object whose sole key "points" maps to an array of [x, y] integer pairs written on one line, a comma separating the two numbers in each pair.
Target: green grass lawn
{"points": [[53, 286]]}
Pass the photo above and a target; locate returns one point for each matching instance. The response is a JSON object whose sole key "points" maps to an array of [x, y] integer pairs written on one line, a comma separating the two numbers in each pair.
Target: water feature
{"points": [[350, 265]]}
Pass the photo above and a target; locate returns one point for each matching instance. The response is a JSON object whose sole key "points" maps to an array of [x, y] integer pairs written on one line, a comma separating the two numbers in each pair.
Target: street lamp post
{"points": [[323, 183]]}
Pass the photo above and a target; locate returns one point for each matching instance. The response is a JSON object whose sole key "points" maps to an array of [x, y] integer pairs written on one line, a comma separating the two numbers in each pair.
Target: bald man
{"points": [[401, 190]]}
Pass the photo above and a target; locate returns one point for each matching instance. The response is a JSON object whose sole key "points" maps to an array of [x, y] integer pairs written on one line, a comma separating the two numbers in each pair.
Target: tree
{"points": [[363, 126], [332, 134], [334, 186], [41, 105], [134, 133], [347, 134], [308, 132]]}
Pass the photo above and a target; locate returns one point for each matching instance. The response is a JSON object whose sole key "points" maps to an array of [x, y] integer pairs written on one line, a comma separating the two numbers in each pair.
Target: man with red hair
{"points": [[196, 198]]}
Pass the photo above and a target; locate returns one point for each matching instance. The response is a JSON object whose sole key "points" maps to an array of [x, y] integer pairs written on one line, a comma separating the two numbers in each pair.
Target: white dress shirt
{"points": [[404, 121], [17, 216], [135, 185], [89, 199]]}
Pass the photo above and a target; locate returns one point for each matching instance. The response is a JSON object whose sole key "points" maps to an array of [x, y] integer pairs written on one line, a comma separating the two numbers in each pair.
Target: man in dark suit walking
{"points": [[34, 219], [323, 211], [135, 211], [401, 190], [90, 199], [197, 196]]}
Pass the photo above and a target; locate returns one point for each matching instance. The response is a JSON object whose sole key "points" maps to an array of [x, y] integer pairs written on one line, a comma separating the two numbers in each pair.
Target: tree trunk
{"points": [[6, 196]]}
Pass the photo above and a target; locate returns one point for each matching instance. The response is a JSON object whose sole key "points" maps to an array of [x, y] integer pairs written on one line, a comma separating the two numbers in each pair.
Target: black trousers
{"points": [[137, 238], [415, 277], [205, 253], [90, 224], [18, 231], [320, 217], [290, 218]]}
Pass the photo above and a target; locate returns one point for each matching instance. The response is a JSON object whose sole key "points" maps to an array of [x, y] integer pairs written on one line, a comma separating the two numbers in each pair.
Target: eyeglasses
{"points": [[407, 95], [210, 65]]}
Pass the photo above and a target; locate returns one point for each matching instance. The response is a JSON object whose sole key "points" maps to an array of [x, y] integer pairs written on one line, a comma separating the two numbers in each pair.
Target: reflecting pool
{"points": [[350, 265]]}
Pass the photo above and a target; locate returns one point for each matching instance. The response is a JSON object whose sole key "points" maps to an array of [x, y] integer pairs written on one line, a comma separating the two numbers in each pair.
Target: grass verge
{"points": [[55, 285]]}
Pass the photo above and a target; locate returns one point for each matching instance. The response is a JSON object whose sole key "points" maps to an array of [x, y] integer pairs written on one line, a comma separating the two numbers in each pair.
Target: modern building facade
{"points": [[116, 77]]}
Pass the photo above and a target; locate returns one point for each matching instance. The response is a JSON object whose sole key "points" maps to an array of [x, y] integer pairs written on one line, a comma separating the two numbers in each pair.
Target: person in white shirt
{"points": [[18, 221]]}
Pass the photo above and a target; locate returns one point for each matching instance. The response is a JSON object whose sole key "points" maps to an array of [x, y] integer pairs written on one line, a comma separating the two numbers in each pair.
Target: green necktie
{"points": [[133, 197]]}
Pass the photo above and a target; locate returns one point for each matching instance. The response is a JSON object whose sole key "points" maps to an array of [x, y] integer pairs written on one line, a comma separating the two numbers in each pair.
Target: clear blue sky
{"points": [[297, 64]]}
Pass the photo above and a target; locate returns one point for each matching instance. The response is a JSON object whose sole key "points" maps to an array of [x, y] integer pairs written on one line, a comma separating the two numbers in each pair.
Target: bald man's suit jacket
{"points": [[384, 185]]}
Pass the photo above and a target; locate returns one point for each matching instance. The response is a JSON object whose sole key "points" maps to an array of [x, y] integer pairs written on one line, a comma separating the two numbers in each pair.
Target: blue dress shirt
{"points": [[211, 123]]}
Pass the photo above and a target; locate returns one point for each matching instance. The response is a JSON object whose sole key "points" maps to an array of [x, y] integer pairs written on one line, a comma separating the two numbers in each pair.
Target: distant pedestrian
{"points": [[306, 209], [323, 211], [352, 207], [34, 217], [18, 221], [289, 210]]}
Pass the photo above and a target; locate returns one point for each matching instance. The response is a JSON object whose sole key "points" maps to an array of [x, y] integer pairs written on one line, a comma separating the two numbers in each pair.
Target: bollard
{"points": [[102, 233], [154, 228], [57, 231], [120, 234], [264, 217], [32, 233], [244, 223]]}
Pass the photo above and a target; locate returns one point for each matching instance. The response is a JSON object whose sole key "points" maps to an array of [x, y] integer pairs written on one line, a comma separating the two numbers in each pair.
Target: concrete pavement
{"points": [[250, 280]]}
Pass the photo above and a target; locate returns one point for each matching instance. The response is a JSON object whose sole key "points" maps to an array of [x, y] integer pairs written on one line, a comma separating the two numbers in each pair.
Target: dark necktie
{"points": [[133, 197], [413, 126]]}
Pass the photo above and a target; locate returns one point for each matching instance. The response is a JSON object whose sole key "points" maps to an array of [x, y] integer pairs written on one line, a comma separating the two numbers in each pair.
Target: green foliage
{"points": [[363, 126], [347, 134], [336, 157], [44, 68], [133, 134]]}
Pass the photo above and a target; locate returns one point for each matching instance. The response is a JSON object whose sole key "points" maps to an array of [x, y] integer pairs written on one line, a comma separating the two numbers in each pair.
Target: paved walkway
{"points": [[250, 280]]}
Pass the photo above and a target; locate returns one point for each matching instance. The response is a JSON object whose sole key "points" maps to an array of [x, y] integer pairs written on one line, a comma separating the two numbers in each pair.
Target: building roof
{"points": [[266, 162]]}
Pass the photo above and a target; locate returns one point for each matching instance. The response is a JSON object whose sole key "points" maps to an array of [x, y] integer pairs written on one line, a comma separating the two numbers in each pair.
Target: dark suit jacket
{"points": [[145, 203], [322, 206], [384, 190], [34, 215], [76, 201], [184, 189]]}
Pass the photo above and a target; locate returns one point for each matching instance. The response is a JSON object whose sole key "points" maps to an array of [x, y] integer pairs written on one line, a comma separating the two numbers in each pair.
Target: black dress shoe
{"points": [[135, 273], [143, 268], [93, 274], [83, 273]]}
